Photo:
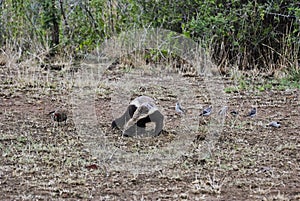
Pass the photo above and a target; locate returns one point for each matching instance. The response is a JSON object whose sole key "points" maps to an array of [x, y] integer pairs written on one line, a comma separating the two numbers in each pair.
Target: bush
{"points": [[249, 34]]}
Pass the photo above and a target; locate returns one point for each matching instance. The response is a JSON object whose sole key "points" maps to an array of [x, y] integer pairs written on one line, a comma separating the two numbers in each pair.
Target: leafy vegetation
{"points": [[248, 34], [290, 82]]}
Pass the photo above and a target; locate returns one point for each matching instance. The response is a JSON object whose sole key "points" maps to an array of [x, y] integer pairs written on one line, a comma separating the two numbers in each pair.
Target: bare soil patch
{"points": [[250, 161]]}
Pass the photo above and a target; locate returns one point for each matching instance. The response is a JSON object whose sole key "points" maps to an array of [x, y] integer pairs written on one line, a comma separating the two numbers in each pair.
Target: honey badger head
{"points": [[140, 111]]}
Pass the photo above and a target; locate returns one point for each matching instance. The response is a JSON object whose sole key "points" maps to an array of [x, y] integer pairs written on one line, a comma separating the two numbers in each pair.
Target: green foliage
{"points": [[251, 33], [248, 34], [48, 13], [13, 22], [264, 85], [168, 14], [155, 55], [231, 90], [294, 75]]}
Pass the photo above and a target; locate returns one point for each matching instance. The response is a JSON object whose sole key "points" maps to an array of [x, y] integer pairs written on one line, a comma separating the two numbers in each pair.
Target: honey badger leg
{"points": [[139, 127], [158, 118], [120, 122], [142, 122]]}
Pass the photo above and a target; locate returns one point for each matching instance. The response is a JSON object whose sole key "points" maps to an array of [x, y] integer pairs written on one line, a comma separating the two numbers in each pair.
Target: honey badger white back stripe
{"points": [[145, 106], [142, 100]]}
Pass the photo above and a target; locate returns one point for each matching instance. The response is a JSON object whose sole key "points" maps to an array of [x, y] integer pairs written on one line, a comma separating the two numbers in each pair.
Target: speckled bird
{"points": [[59, 115], [206, 111], [252, 113], [223, 111], [234, 113], [179, 109]]}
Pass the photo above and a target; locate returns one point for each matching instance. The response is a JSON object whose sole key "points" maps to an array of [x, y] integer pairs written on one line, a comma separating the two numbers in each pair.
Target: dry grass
{"points": [[249, 161]]}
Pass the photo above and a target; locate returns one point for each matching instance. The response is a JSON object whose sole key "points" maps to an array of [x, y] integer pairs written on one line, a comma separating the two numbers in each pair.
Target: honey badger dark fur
{"points": [[140, 111]]}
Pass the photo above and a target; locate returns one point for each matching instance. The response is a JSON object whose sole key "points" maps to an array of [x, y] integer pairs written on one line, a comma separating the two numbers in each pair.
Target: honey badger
{"points": [[140, 111]]}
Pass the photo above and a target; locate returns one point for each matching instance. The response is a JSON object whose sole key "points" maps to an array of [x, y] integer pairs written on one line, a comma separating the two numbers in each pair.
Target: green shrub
{"points": [[248, 34]]}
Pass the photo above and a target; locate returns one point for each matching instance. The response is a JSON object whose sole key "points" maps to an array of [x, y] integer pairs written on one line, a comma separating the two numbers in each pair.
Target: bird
{"points": [[58, 115], [234, 113], [252, 113], [179, 109], [223, 110], [274, 124], [206, 111]]}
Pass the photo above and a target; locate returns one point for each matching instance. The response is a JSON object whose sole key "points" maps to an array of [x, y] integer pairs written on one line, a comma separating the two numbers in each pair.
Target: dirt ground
{"points": [[249, 160]]}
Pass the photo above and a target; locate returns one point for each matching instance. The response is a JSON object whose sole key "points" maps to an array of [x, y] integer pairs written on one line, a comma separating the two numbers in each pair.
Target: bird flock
{"points": [[208, 110], [60, 115]]}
